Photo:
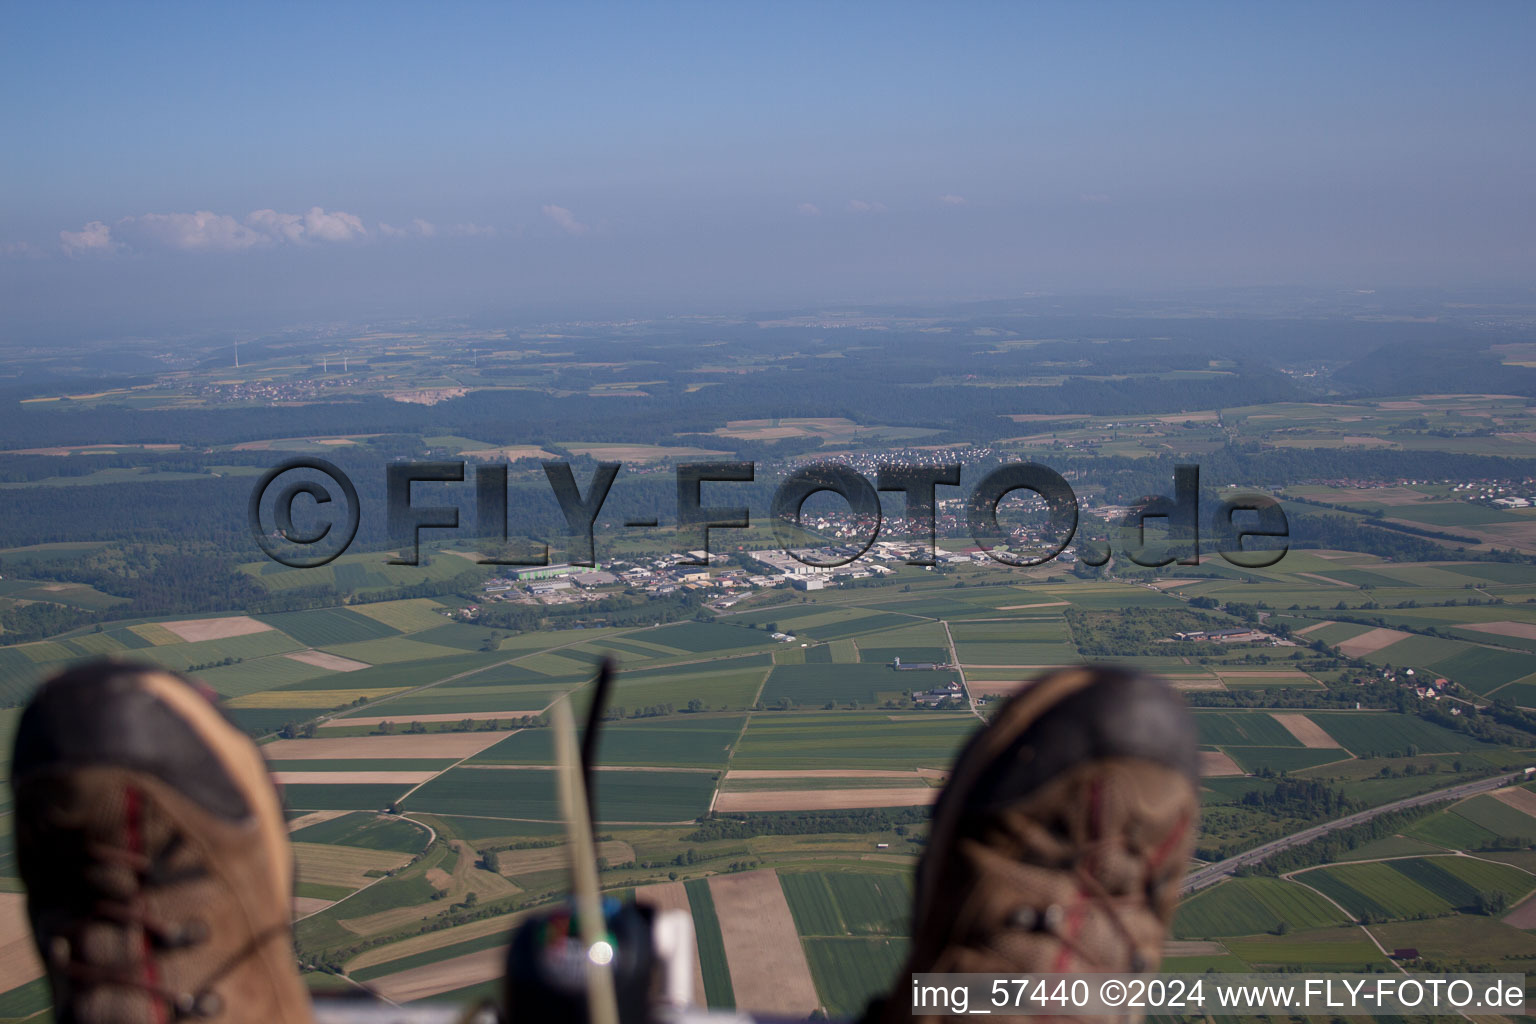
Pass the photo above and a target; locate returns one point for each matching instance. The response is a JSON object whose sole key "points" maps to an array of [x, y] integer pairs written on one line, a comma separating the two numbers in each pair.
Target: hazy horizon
{"points": [[191, 165]]}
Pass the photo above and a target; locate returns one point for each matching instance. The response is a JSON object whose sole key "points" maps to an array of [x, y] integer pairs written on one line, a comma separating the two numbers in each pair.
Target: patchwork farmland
{"points": [[778, 791]]}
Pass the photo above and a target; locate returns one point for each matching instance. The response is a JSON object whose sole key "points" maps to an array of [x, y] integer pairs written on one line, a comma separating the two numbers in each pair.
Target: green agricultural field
{"points": [[1242, 729], [908, 655], [182, 656], [406, 616], [369, 831], [260, 674], [810, 903], [530, 793], [728, 687], [839, 903], [707, 637], [1521, 693], [1388, 846], [420, 672], [1496, 816], [811, 686], [1337, 633], [1482, 669], [920, 634], [390, 649], [1346, 949], [856, 740], [1363, 733], [1486, 876], [322, 627], [849, 972], [1464, 937], [870, 624], [683, 741], [1282, 759], [560, 663], [1449, 830], [1248, 906], [871, 903], [513, 701], [340, 796], [718, 993], [459, 635], [1375, 890], [1459, 880]]}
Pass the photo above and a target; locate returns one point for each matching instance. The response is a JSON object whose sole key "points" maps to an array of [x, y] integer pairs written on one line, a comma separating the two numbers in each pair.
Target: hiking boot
{"points": [[155, 855], [1060, 841]]}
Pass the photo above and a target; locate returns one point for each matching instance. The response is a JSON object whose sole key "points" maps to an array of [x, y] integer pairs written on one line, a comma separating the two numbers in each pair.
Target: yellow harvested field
{"points": [[310, 698], [673, 896], [193, 630], [425, 745], [1523, 630], [1194, 947], [554, 858], [1195, 683], [762, 949], [304, 906], [408, 616], [468, 877], [343, 865], [823, 799], [155, 633], [352, 778], [18, 957], [1316, 625], [1518, 798], [1523, 916], [1214, 763], [1303, 728], [501, 925], [460, 972], [313, 818], [1369, 642], [334, 662]]}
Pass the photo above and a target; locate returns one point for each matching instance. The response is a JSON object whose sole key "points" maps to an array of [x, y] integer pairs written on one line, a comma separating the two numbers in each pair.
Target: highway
{"points": [[1210, 874]]}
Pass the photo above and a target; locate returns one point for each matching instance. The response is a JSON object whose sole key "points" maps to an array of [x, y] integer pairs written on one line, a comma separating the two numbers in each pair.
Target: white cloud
{"points": [[809, 209], [566, 219], [19, 249], [94, 237], [426, 229], [951, 200], [206, 231], [862, 206], [335, 226]]}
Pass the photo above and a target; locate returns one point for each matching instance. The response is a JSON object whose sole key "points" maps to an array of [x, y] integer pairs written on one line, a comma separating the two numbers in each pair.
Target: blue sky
{"points": [[204, 161]]}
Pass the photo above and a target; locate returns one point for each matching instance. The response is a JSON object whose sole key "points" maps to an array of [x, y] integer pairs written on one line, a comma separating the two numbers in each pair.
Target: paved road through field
{"points": [[1210, 874]]}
